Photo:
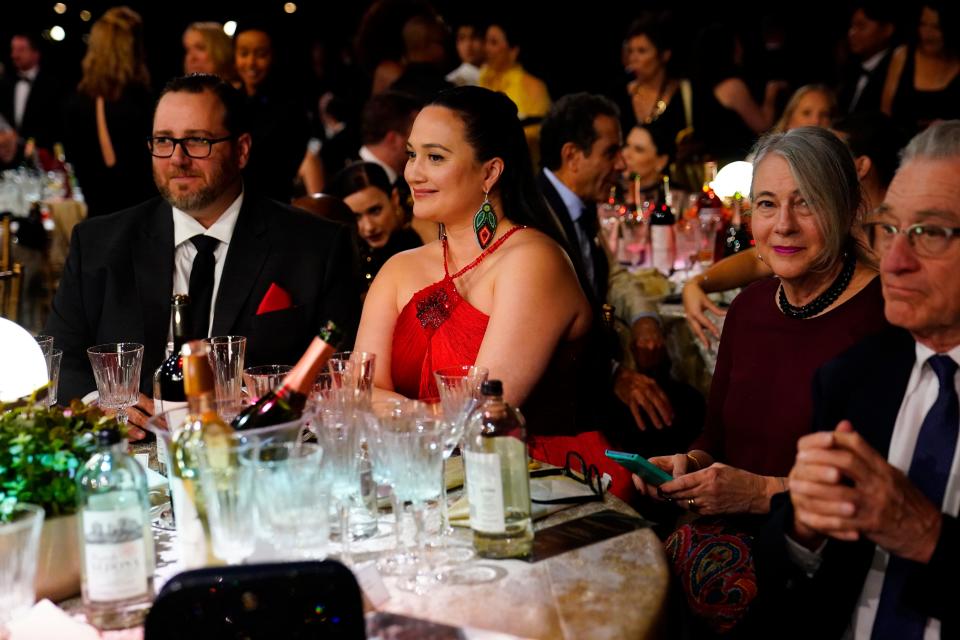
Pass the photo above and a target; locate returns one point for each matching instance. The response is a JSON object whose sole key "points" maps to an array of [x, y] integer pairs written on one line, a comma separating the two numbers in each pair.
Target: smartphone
{"points": [[639, 465]]}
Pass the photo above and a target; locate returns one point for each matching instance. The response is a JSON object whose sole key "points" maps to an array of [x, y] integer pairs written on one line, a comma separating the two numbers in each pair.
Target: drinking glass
{"points": [[459, 389], [415, 464], [263, 379], [116, 368], [226, 359], [635, 232], [53, 371], [687, 231], [356, 369], [19, 546], [228, 493], [46, 343], [709, 227], [292, 498]]}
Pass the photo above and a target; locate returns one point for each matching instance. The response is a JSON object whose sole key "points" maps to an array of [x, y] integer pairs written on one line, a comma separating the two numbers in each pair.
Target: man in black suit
{"points": [[580, 146], [869, 541], [870, 39], [30, 100], [252, 266]]}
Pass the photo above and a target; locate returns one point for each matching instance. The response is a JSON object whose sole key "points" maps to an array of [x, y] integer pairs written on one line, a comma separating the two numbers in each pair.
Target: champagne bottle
{"points": [[498, 483], [168, 378], [286, 402], [115, 536], [203, 434], [663, 239]]}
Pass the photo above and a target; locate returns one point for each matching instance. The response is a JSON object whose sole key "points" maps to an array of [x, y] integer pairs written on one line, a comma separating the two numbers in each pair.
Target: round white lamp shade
{"points": [[734, 178], [23, 369]]}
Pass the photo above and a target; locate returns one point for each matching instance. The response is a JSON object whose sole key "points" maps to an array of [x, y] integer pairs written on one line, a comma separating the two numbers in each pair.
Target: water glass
{"points": [[228, 492], [263, 379], [356, 369], [226, 359], [633, 248], [292, 498], [46, 343], [19, 547], [709, 227], [116, 368], [687, 231], [53, 373]]}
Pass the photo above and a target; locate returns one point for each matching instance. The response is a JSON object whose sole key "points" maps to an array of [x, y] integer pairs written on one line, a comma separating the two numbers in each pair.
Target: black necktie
{"points": [[201, 284], [929, 471], [589, 225]]}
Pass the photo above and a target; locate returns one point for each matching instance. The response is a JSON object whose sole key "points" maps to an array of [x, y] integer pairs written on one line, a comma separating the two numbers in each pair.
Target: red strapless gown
{"points": [[438, 328]]}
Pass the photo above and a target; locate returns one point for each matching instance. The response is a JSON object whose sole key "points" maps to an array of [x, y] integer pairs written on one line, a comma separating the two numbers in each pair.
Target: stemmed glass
{"points": [[353, 371], [116, 368], [338, 432], [414, 457], [459, 389]]}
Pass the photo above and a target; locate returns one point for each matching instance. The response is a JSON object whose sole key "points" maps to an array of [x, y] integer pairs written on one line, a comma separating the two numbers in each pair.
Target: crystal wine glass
{"points": [[116, 368], [459, 389]]}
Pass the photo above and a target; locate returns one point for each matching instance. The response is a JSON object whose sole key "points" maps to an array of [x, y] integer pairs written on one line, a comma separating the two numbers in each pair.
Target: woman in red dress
{"points": [[495, 289]]}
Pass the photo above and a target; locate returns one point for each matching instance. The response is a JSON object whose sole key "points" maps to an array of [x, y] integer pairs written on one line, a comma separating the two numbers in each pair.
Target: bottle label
{"points": [[115, 554], [485, 492], [191, 538]]}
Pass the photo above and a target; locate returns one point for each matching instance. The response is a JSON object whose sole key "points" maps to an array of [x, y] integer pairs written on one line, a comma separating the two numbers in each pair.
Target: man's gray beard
{"points": [[189, 201]]}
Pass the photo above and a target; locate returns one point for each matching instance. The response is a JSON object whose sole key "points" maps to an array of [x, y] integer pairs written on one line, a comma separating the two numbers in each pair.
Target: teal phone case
{"points": [[640, 466]]}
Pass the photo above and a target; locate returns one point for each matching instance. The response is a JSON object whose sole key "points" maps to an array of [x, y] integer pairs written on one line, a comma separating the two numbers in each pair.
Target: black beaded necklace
{"points": [[826, 298]]}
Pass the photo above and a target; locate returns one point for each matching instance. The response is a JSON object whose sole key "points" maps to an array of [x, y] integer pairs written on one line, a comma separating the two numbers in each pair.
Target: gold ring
{"points": [[691, 503]]}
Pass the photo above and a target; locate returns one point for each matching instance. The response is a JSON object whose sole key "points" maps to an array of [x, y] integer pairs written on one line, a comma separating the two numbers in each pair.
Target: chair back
{"points": [[288, 600]]}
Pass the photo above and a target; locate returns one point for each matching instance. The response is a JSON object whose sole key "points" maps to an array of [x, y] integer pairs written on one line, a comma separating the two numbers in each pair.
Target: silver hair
{"points": [[826, 177], [941, 140]]}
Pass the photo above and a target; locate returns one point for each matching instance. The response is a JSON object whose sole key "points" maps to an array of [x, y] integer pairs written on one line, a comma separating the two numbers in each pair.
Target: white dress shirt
{"points": [[184, 228], [21, 93], [367, 156], [921, 392]]}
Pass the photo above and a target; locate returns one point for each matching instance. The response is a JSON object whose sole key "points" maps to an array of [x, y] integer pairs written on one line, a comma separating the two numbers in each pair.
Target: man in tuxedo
{"points": [[870, 39], [252, 266], [580, 148], [868, 541], [30, 100], [384, 128]]}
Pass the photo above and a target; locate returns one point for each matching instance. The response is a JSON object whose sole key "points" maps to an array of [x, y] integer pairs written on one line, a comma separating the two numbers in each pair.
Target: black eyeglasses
{"points": [[195, 147], [927, 240]]}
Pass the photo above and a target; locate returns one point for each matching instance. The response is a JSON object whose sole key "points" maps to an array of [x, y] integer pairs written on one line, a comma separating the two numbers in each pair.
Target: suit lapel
{"points": [[152, 261], [245, 257], [563, 221]]}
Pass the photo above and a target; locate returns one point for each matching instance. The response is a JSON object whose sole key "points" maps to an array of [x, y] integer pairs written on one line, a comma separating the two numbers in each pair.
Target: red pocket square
{"points": [[276, 299]]}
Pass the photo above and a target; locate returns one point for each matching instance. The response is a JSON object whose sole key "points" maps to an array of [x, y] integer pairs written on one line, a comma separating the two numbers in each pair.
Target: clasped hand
{"points": [[843, 488], [717, 489]]}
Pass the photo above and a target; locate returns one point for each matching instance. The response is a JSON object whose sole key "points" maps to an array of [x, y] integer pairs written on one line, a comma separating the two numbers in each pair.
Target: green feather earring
{"points": [[485, 223]]}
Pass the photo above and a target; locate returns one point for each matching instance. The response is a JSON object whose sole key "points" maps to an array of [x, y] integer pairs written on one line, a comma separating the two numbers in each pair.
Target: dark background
{"points": [[571, 45]]}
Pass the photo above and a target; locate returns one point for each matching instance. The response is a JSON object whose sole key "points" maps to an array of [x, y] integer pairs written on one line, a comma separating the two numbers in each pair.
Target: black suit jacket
{"points": [[118, 280], [866, 386], [869, 100], [42, 117]]}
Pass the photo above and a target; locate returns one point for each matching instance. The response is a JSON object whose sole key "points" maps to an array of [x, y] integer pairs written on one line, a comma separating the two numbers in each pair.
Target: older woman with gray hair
{"points": [[824, 298]]}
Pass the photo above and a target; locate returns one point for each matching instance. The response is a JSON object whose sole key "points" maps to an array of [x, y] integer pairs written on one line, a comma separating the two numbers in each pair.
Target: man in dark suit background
{"points": [[870, 40], [252, 266], [580, 149], [31, 99], [868, 543]]}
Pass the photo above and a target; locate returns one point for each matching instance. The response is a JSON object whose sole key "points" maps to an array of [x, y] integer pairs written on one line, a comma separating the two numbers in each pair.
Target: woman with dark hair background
{"points": [[381, 232]]}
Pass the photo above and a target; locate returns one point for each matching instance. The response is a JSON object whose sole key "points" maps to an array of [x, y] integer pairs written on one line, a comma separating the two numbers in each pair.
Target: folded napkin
{"points": [[47, 621]]}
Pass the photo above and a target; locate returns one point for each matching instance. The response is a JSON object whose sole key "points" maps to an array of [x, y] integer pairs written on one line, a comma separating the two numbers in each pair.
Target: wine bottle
{"points": [[115, 536], [286, 402], [202, 435], [663, 239], [168, 379], [498, 482]]}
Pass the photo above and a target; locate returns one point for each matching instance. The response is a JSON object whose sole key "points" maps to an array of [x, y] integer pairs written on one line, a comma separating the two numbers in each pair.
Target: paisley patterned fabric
{"points": [[713, 561]]}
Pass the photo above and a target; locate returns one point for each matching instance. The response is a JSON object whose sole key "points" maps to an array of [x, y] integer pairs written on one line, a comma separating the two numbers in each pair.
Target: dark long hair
{"points": [[493, 131], [357, 177]]}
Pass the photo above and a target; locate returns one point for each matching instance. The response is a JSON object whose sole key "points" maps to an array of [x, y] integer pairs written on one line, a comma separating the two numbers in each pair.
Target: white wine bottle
{"points": [[498, 483]]}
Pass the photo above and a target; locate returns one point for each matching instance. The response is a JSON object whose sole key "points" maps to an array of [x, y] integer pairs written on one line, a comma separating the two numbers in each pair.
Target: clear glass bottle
{"points": [[497, 479], [202, 431], [115, 537]]}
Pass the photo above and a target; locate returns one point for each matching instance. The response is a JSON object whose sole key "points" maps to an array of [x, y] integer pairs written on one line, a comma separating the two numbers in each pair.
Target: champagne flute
{"points": [[116, 368]]}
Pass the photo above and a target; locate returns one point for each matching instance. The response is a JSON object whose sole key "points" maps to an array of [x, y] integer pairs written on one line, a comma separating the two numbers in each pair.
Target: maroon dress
{"points": [[761, 399]]}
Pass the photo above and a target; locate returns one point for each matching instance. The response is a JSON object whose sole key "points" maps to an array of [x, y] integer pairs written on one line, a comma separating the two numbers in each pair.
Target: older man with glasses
{"points": [[868, 542], [251, 266]]}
